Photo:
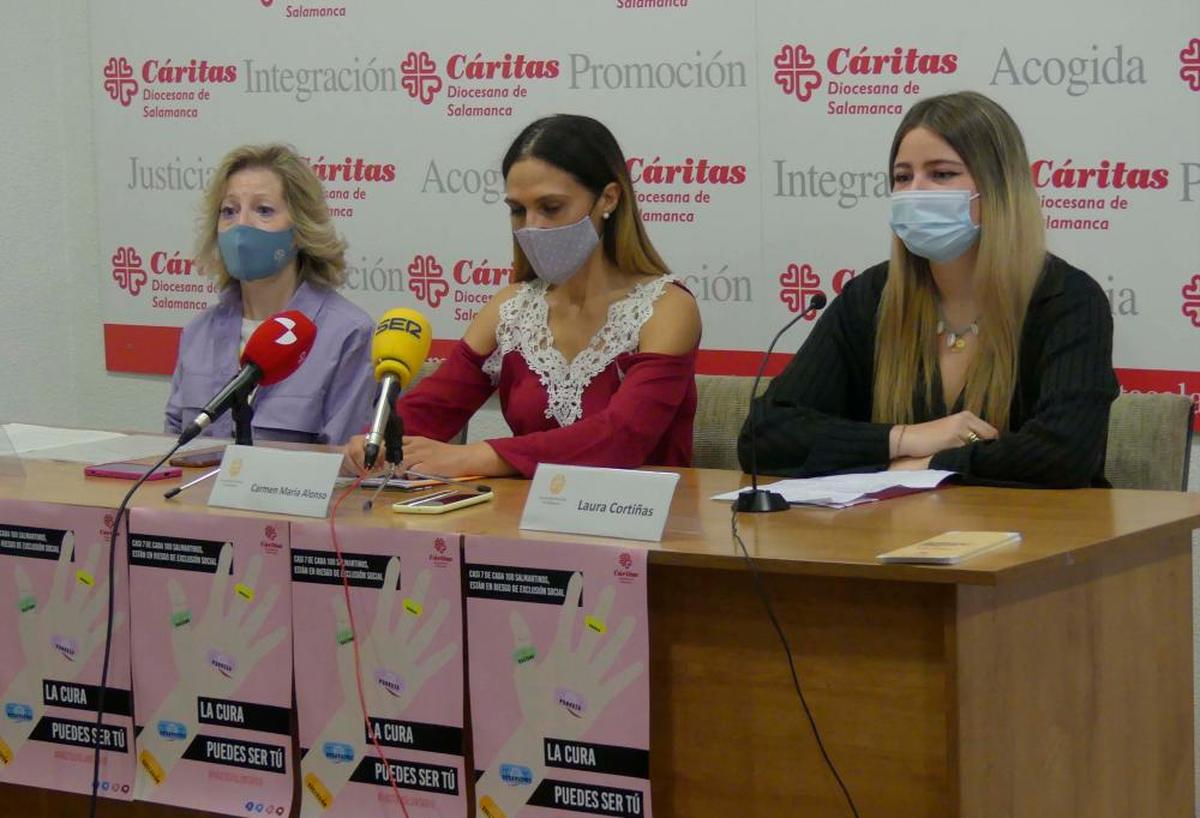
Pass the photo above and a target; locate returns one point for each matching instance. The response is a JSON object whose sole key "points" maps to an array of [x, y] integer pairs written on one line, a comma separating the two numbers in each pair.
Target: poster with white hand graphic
{"points": [[54, 587], [559, 675], [212, 661], [406, 607]]}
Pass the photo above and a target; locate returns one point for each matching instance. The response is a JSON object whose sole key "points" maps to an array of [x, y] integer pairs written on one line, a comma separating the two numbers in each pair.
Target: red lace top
{"points": [[610, 406]]}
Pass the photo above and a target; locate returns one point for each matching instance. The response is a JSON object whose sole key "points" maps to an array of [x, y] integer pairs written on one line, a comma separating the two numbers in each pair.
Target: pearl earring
{"points": [[606, 215]]}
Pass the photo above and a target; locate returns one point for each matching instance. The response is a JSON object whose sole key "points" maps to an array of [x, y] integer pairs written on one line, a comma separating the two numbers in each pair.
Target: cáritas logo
{"points": [[172, 272], [1104, 175], [119, 83], [127, 270], [427, 280], [624, 571], [1190, 59], [179, 86], [473, 77], [861, 73], [270, 542], [1191, 300], [439, 557], [799, 283], [420, 77], [690, 171]]}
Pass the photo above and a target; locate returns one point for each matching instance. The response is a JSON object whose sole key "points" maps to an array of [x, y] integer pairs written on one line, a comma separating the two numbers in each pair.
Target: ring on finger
{"points": [[972, 437]]}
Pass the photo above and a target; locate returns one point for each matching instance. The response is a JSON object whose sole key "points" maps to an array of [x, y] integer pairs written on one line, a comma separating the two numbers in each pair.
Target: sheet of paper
{"points": [[113, 448], [54, 581], [559, 658], [406, 598], [27, 437], [211, 629], [843, 490]]}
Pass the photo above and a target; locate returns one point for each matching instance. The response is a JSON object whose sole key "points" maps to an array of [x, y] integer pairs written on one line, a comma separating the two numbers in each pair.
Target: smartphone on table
{"points": [[123, 470], [200, 459], [439, 502]]}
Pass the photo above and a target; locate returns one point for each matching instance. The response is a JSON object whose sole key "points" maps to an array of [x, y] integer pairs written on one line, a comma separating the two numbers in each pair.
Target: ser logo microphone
{"points": [[399, 324]]}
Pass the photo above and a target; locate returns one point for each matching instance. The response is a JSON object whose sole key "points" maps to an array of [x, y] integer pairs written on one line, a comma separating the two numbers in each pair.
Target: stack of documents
{"points": [[845, 490]]}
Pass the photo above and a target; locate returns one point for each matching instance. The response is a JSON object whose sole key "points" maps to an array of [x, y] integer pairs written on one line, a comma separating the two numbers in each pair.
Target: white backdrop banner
{"points": [[756, 134]]}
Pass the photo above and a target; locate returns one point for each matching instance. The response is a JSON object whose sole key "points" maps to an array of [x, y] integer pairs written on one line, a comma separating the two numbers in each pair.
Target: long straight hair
{"points": [[586, 149], [1012, 253]]}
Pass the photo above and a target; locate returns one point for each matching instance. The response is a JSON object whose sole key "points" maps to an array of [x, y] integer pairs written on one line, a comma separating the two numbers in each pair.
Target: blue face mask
{"points": [[934, 224], [251, 254]]}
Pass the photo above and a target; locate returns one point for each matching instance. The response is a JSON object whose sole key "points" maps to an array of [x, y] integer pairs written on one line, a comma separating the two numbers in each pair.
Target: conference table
{"points": [[1049, 678]]}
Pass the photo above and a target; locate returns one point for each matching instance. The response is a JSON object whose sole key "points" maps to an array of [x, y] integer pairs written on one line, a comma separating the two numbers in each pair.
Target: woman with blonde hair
{"points": [[971, 350], [267, 241], [592, 346]]}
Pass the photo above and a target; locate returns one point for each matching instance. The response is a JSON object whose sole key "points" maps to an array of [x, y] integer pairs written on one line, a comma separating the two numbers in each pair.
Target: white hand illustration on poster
{"points": [[213, 656], [561, 694], [58, 636], [393, 673]]}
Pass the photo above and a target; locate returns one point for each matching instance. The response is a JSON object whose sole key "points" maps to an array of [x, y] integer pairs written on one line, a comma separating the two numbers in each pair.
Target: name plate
{"points": [[276, 480], [620, 503]]}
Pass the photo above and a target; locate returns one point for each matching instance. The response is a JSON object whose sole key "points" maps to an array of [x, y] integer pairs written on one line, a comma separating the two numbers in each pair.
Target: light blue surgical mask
{"points": [[251, 254], [934, 224], [557, 253]]}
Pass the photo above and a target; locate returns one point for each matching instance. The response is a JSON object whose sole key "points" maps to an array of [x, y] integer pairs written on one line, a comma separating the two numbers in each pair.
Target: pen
{"points": [[169, 494]]}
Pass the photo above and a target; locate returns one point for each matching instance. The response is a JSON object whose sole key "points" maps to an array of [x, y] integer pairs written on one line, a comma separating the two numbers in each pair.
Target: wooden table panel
{"points": [[728, 734], [1053, 678], [1074, 689]]}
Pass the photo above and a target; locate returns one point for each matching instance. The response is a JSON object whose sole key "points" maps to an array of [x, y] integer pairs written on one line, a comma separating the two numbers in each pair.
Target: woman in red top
{"points": [[593, 345]]}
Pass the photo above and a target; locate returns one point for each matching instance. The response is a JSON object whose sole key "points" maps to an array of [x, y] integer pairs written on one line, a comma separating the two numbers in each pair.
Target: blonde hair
{"points": [[321, 252], [586, 149], [1012, 253]]}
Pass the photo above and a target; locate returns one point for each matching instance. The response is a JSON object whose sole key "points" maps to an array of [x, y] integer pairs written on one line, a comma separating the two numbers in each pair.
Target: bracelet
{"points": [[899, 440]]}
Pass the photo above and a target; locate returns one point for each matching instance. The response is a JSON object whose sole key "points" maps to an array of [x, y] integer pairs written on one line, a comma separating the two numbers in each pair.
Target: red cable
{"points": [[362, 699]]}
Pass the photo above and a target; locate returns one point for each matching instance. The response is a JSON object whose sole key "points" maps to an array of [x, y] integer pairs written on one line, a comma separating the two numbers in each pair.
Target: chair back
{"points": [[1149, 441], [722, 402]]}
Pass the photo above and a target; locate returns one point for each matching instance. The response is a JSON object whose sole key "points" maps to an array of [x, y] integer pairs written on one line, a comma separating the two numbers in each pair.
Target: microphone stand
{"points": [[393, 437], [754, 499], [393, 445], [242, 414]]}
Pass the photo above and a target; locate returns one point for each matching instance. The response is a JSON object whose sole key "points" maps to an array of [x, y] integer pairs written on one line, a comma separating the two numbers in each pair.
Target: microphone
{"points": [[275, 350], [758, 500], [400, 346]]}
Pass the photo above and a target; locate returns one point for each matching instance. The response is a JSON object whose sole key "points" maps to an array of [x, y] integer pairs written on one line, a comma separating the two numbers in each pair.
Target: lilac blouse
{"points": [[326, 400]]}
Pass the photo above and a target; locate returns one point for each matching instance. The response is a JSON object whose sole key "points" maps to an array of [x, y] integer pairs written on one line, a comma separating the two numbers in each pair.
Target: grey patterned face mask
{"points": [[557, 253]]}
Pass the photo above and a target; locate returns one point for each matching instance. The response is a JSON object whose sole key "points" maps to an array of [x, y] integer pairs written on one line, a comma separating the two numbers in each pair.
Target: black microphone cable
{"points": [[121, 515], [759, 586], [765, 597]]}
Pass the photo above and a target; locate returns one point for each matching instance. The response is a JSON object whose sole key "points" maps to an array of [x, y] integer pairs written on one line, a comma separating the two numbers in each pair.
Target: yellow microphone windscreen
{"points": [[401, 344]]}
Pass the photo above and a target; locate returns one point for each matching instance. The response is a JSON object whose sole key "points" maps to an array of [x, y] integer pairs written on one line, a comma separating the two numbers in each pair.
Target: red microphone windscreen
{"points": [[280, 345]]}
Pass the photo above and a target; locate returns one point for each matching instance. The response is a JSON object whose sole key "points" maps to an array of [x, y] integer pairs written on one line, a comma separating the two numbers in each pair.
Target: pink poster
{"points": [[558, 667], [53, 612], [406, 600], [212, 663]]}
